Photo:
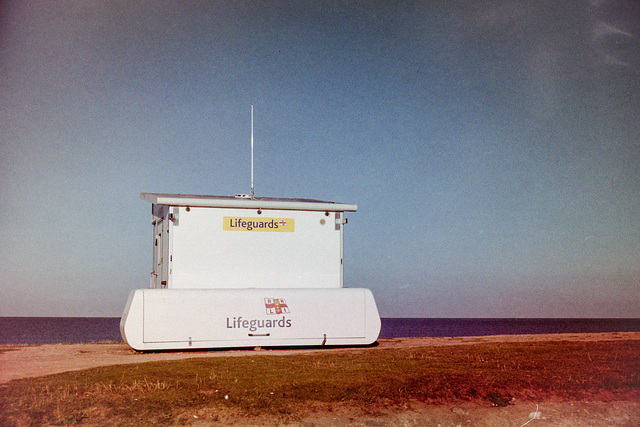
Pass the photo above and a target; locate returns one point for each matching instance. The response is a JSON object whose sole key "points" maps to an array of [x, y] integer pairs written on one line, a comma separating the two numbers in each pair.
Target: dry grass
{"points": [[285, 387]]}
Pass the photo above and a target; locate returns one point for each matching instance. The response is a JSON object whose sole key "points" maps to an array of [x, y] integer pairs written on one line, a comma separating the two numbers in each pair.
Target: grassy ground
{"points": [[285, 388]]}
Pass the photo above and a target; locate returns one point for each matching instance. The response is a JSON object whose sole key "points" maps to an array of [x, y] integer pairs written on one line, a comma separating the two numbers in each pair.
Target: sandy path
{"points": [[34, 361]]}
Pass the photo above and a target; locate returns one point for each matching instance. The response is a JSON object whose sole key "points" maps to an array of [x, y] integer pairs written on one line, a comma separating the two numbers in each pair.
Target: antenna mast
{"points": [[251, 195]]}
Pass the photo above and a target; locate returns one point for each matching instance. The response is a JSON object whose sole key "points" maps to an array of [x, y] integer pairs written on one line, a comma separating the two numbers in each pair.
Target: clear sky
{"points": [[493, 148]]}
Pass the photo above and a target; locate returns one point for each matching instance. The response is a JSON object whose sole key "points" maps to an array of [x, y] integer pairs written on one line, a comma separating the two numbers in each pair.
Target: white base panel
{"points": [[174, 319]]}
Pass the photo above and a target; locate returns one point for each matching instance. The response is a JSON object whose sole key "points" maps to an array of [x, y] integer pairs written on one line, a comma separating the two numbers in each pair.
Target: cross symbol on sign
{"points": [[283, 223]]}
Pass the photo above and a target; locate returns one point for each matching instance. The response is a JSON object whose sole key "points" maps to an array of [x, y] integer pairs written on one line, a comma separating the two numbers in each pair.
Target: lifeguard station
{"points": [[244, 271]]}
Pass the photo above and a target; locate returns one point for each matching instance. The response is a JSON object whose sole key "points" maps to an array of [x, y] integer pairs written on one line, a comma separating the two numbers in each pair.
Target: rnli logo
{"points": [[276, 306], [231, 223]]}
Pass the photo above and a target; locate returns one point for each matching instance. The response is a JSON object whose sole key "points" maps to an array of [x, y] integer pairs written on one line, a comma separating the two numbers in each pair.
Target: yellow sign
{"points": [[234, 223]]}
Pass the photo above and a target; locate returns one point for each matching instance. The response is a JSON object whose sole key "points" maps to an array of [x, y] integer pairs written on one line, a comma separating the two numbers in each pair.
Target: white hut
{"points": [[245, 272]]}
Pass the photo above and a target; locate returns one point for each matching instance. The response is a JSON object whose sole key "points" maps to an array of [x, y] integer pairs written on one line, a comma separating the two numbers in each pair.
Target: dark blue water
{"points": [[402, 327], [74, 330], [59, 330]]}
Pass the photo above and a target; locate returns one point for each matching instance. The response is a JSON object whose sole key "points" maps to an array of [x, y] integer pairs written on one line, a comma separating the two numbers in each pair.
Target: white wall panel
{"points": [[204, 255]]}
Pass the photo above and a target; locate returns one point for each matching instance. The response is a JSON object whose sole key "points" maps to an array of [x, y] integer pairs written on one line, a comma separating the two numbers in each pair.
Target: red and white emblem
{"points": [[276, 306]]}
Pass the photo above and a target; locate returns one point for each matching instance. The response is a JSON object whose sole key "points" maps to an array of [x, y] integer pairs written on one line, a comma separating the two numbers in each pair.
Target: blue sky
{"points": [[492, 147]]}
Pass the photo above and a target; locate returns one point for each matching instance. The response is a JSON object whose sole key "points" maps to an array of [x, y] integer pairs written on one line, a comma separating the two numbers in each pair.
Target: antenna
{"points": [[251, 195]]}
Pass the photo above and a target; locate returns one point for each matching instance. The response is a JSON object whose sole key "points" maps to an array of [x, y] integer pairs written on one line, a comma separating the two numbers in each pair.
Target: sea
{"points": [[79, 330]]}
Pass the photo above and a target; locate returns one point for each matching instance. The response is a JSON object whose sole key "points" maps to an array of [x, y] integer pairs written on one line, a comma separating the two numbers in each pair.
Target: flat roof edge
{"points": [[242, 203]]}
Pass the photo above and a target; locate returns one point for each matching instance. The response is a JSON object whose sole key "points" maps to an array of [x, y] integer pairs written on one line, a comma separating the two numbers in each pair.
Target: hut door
{"points": [[156, 274], [160, 273], [164, 254]]}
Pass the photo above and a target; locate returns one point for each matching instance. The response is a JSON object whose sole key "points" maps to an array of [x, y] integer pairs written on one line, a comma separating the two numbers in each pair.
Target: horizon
{"points": [[386, 317]]}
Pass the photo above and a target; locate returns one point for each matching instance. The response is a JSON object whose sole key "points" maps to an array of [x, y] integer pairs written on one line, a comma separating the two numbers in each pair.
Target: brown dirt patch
{"points": [[38, 360]]}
